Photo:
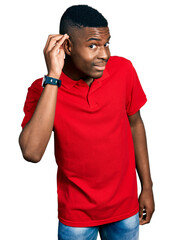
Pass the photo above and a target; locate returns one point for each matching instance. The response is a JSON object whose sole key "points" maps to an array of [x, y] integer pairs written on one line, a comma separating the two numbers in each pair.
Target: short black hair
{"points": [[81, 16]]}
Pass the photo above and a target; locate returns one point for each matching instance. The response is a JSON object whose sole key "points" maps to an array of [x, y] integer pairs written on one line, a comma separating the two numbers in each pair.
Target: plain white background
{"points": [[140, 31]]}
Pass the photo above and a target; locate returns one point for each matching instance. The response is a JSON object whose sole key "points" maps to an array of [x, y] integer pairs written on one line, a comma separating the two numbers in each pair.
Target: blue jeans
{"points": [[126, 229]]}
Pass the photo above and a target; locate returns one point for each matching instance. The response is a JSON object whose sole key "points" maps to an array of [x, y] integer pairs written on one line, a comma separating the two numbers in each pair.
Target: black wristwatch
{"points": [[50, 80]]}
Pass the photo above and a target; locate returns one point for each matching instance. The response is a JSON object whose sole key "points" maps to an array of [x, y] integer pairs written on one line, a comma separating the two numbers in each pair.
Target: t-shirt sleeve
{"points": [[136, 96], [33, 95]]}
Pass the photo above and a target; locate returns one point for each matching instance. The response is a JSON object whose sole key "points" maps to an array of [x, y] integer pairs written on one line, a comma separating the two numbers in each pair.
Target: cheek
{"points": [[84, 56], [109, 53]]}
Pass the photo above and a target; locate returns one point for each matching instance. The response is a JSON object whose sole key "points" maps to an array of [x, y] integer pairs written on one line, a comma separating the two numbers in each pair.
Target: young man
{"points": [[91, 101]]}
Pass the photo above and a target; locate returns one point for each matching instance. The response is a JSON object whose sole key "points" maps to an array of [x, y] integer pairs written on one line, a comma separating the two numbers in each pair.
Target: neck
{"points": [[70, 70]]}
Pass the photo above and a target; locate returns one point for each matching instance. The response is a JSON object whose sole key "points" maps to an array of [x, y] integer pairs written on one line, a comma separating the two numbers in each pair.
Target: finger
{"points": [[50, 37], [147, 217], [55, 42], [140, 212], [61, 53], [48, 40], [59, 45]]}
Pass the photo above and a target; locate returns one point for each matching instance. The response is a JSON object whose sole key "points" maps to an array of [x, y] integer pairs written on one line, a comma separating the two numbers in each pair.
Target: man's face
{"points": [[90, 51]]}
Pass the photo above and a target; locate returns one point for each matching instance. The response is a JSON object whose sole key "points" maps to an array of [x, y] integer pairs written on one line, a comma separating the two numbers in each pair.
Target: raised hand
{"points": [[54, 54]]}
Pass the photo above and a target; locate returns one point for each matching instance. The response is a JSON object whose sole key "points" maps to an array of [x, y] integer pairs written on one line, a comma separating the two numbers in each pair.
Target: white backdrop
{"points": [[140, 31]]}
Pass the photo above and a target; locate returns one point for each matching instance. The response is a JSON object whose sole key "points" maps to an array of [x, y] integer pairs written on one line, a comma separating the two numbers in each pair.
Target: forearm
{"points": [[36, 134], [141, 154]]}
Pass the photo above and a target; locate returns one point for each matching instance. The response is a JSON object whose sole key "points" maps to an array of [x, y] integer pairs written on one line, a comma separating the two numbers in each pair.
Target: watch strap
{"points": [[50, 80]]}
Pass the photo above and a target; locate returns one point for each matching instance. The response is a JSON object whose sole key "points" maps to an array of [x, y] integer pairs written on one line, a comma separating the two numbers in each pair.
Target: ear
{"points": [[67, 46]]}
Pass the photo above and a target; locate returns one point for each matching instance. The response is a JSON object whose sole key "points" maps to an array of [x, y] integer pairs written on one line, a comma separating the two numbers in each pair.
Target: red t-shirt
{"points": [[96, 178]]}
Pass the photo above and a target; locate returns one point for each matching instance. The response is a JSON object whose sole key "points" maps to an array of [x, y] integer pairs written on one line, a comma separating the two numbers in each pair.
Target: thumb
{"points": [[61, 52]]}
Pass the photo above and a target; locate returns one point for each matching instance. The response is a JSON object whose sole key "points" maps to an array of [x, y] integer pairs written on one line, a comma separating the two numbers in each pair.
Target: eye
{"points": [[107, 44], [92, 46]]}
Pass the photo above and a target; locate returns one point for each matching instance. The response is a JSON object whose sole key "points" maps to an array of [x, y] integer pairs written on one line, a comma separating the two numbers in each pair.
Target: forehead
{"points": [[92, 32], [86, 33]]}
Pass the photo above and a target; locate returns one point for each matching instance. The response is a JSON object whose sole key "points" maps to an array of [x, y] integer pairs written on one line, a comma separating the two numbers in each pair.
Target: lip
{"points": [[100, 67]]}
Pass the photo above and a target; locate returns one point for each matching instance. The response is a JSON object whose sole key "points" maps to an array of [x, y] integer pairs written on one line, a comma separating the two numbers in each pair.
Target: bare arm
{"points": [[141, 152], [36, 134], [146, 199]]}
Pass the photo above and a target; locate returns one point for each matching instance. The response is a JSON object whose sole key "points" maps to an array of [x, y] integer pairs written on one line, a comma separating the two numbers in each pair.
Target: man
{"points": [[91, 101]]}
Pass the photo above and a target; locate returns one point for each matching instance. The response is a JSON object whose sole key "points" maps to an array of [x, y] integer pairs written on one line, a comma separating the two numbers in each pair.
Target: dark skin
{"points": [[146, 197], [82, 53]]}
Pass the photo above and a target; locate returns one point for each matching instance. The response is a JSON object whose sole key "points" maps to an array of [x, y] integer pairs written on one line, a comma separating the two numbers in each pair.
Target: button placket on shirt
{"points": [[90, 97]]}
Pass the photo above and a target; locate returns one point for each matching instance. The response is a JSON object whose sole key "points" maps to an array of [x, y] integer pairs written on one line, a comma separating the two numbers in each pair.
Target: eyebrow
{"points": [[96, 39]]}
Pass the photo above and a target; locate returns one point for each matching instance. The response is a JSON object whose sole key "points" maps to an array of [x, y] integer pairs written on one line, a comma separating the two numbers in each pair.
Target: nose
{"points": [[103, 53]]}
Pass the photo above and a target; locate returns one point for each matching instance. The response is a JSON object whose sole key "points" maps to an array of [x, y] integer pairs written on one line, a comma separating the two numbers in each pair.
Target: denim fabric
{"points": [[126, 229]]}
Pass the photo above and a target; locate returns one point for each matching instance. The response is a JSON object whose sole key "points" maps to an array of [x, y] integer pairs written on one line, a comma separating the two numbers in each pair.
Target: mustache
{"points": [[101, 63]]}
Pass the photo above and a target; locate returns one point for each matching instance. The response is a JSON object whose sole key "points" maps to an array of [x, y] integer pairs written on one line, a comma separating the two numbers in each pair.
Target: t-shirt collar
{"points": [[67, 82]]}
